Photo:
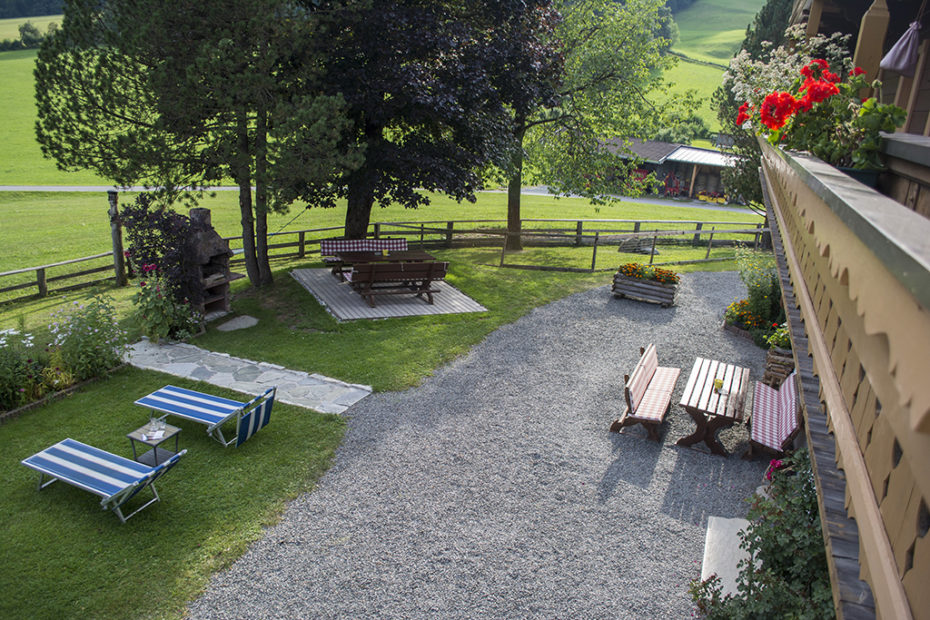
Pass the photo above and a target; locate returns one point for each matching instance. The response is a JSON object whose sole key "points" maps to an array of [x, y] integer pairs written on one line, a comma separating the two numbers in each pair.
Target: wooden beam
{"points": [[871, 41]]}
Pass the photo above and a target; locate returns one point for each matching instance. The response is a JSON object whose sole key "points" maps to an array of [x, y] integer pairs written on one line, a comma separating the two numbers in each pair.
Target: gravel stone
{"points": [[495, 489]]}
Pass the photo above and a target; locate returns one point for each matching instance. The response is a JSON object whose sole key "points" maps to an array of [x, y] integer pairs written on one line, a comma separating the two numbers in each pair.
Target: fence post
{"points": [[449, 227], [41, 282], [579, 227], [697, 236], [116, 233], [301, 244], [652, 252], [377, 230], [504, 247], [710, 242], [755, 243], [594, 251], [422, 228]]}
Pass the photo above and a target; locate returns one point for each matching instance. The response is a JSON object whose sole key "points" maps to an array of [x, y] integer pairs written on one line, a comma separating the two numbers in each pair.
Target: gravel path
{"points": [[494, 488]]}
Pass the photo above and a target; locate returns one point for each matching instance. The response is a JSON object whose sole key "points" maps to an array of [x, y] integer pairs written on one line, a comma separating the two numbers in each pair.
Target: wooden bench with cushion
{"points": [[371, 279], [775, 422], [330, 247], [648, 393]]}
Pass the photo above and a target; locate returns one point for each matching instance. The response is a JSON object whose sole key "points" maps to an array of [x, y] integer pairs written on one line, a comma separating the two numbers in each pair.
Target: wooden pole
{"points": [[116, 233], [504, 247], [450, 227], [579, 227], [652, 252], [594, 251], [697, 237], [41, 282], [710, 242], [301, 244]]}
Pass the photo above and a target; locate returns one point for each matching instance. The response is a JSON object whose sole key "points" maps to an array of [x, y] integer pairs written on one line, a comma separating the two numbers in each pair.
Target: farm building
{"points": [[684, 170]]}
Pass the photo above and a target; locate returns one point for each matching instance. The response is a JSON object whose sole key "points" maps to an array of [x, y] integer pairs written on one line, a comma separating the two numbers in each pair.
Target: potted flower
{"points": [[824, 115], [646, 283]]}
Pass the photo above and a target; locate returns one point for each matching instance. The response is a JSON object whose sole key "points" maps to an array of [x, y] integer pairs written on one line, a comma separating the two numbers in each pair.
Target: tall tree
{"points": [[426, 110], [612, 60], [188, 93]]}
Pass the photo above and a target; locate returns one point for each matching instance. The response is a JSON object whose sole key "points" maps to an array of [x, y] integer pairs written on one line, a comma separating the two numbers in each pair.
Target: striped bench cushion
{"points": [[658, 394], [774, 414]]}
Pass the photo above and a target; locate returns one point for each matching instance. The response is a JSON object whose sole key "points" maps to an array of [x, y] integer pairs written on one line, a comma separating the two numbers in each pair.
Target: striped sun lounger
{"points": [[213, 411], [114, 478]]}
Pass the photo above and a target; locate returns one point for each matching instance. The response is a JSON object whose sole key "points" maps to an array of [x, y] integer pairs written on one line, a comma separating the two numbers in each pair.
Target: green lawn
{"points": [[65, 557], [702, 78], [41, 228], [21, 161]]}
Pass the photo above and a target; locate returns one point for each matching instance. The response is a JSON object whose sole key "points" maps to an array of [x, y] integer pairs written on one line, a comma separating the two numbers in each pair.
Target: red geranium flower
{"points": [[815, 68], [776, 108], [743, 115], [857, 71]]}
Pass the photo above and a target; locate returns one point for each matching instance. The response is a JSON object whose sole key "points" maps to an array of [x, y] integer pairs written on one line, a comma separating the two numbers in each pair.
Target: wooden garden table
{"points": [[712, 410]]}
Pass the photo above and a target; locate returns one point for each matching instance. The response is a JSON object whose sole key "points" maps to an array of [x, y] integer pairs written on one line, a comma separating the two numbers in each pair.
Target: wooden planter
{"points": [[644, 290]]}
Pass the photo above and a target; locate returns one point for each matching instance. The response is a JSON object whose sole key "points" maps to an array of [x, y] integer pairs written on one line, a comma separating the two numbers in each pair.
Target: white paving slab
{"points": [[295, 387], [722, 552]]}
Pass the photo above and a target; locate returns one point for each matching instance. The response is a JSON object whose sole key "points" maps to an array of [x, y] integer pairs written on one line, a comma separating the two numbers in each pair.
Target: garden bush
{"points": [[786, 575], [88, 338], [160, 312], [762, 313]]}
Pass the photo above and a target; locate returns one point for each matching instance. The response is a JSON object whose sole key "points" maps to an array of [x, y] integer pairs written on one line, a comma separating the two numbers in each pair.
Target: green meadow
{"points": [[9, 28], [710, 31]]}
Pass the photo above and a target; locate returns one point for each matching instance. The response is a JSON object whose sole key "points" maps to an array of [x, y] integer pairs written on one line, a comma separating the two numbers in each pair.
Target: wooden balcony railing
{"points": [[855, 269]]}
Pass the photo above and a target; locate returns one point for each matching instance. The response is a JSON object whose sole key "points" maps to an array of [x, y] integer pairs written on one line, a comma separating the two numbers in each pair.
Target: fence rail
{"points": [[442, 233]]}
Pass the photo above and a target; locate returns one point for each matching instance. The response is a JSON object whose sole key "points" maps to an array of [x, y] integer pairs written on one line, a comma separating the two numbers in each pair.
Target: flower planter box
{"points": [[645, 290], [739, 331]]}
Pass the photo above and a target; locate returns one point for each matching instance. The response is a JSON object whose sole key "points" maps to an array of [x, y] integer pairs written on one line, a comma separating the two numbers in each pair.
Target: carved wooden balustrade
{"points": [[855, 268]]}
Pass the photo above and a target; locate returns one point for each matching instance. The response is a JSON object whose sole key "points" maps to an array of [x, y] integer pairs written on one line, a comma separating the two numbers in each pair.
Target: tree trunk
{"points": [[244, 181], [261, 200], [358, 212], [514, 228]]}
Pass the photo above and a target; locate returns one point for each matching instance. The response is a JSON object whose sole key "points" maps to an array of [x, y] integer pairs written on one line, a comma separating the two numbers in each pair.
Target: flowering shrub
{"points": [[16, 365], [648, 272], [88, 338], [159, 311], [786, 575], [780, 337], [824, 115], [739, 314]]}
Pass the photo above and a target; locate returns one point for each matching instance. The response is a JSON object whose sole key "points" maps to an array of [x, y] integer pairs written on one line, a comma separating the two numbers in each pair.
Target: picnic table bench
{"points": [[331, 248], [648, 393], [774, 422], [394, 278]]}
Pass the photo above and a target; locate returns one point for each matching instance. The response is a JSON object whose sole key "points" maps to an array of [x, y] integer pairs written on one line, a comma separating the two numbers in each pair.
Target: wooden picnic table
{"points": [[397, 256], [712, 410]]}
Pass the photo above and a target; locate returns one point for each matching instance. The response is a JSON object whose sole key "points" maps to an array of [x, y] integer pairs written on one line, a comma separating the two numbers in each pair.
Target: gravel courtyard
{"points": [[495, 490]]}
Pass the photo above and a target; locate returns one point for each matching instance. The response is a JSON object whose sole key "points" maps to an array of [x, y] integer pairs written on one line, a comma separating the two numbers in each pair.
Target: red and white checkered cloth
{"points": [[329, 247], [655, 401], [774, 413]]}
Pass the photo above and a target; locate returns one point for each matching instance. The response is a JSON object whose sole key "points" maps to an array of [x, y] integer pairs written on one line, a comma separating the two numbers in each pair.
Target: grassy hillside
{"points": [[710, 31], [9, 28]]}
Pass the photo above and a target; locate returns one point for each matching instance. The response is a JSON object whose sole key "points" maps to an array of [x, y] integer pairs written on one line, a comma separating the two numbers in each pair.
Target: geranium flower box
{"points": [[646, 283]]}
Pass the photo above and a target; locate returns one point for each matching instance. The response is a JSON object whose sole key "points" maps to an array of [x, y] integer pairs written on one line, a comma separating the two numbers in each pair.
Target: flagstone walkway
{"points": [[294, 387]]}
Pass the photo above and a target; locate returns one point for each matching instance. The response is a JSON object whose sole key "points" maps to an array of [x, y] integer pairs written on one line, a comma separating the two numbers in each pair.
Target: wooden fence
{"points": [[435, 234]]}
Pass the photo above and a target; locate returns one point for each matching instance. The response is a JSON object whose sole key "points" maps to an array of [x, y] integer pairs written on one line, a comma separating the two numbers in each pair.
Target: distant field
{"points": [[21, 161], [702, 78], [9, 28], [712, 30]]}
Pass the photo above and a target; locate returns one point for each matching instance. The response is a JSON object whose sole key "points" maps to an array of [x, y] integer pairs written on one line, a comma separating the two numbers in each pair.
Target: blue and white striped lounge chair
{"points": [[213, 411], [114, 478]]}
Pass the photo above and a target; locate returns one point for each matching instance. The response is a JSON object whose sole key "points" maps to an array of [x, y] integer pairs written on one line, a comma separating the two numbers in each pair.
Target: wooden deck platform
{"points": [[345, 304]]}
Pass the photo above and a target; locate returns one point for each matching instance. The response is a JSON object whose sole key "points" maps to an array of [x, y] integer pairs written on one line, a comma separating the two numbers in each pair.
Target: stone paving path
{"points": [[294, 387]]}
